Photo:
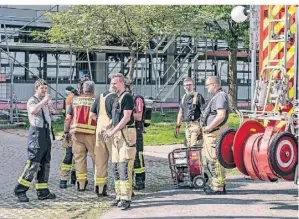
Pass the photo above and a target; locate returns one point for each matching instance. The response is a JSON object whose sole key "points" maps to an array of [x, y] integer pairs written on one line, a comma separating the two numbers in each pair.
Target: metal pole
{"points": [[253, 38], [71, 67], [206, 62], [89, 66], [57, 71], [11, 72]]}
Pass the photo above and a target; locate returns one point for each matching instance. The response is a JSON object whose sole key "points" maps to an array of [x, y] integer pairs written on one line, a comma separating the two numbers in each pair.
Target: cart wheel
{"points": [[224, 148], [283, 154], [199, 182]]}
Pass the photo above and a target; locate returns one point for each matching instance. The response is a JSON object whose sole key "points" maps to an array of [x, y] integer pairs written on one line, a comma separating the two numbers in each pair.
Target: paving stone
{"points": [[69, 202]]}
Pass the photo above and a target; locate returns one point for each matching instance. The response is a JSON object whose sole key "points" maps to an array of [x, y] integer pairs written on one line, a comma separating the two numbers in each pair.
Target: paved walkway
{"points": [[69, 202], [245, 199]]}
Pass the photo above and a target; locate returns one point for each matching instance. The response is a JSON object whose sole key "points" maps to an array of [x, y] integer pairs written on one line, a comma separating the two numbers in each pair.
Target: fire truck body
{"points": [[265, 146]]}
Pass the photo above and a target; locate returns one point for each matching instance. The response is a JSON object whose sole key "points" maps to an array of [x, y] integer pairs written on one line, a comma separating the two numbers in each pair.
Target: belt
{"points": [[130, 126]]}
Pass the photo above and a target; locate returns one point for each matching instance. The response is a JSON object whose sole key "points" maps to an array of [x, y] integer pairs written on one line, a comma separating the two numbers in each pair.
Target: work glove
{"points": [[66, 140], [177, 131]]}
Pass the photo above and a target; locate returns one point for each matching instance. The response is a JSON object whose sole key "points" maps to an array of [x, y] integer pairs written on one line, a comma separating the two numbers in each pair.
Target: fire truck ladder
{"points": [[272, 87]]}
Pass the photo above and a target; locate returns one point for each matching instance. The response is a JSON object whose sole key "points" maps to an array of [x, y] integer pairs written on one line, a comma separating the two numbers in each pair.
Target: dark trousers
{"points": [[139, 160], [67, 164], [38, 163]]}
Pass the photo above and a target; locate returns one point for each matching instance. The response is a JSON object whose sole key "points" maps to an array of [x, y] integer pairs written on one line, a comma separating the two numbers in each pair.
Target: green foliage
{"points": [[223, 27]]}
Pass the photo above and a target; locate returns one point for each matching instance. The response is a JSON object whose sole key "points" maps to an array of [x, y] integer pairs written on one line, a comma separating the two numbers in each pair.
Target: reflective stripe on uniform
{"points": [[125, 184], [85, 126], [139, 170], [24, 182], [41, 185], [101, 180], [82, 176], [66, 167], [87, 131]]}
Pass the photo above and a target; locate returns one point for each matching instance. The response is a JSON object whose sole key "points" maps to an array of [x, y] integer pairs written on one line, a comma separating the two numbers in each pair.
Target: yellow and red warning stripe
{"points": [[275, 50]]}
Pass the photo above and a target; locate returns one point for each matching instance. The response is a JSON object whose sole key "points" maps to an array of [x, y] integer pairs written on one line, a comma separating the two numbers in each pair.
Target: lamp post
{"points": [[239, 14]]}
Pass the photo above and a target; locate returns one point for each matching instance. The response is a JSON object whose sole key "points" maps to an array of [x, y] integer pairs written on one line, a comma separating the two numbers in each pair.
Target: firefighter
{"points": [[189, 112], [138, 113], [102, 112], [67, 163], [213, 120], [39, 145], [124, 142], [82, 129]]}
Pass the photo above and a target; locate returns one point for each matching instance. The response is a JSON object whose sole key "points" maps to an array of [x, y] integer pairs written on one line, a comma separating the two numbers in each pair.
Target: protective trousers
{"points": [[102, 152], [139, 161], [123, 155], [192, 132], [39, 156], [212, 163], [102, 149], [67, 164], [82, 144]]}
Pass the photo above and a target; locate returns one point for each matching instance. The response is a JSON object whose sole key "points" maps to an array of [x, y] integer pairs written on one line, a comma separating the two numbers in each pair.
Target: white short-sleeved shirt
{"points": [[37, 120]]}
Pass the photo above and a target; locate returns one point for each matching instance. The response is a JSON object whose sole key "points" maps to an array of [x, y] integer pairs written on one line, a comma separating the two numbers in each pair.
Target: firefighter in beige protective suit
{"points": [[82, 129], [123, 133], [102, 112]]}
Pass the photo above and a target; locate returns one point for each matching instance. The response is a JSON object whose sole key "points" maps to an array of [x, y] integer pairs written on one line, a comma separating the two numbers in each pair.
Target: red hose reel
{"points": [[260, 152]]}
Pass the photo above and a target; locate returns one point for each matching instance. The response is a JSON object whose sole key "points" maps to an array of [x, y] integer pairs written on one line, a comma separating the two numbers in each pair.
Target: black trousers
{"points": [[139, 159], [38, 163]]}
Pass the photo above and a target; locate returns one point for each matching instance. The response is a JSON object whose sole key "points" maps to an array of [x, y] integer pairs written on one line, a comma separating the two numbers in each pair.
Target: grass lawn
{"points": [[161, 131]]}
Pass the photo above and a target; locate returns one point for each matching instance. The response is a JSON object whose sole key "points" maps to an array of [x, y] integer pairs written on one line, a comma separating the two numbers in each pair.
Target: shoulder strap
{"points": [[121, 97], [183, 99], [194, 98], [45, 121]]}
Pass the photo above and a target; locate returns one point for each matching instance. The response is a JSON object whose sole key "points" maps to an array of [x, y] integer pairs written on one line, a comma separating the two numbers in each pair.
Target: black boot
{"points": [[209, 191], [73, 178], [124, 205], [42, 195], [63, 184], [115, 202], [139, 186], [22, 197], [104, 192], [78, 186]]}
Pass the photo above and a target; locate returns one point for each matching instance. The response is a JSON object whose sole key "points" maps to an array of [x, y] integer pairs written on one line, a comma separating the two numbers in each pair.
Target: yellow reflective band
{"points": [[87, 131], [147, 121], [66, 167], [85, 126], [124, 197], [117, 184], [139, 170], [24, 182], [101, 181], [140, 159], [41, 185], [82, 176], [125, 184], [83, 101]]}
